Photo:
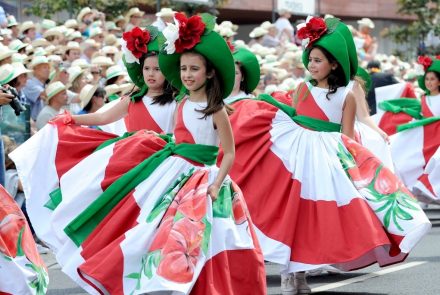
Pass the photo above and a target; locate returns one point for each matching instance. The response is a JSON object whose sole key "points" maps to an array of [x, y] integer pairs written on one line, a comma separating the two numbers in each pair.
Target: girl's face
{"points": [[319, 66], [153, 77], [432, 83], [238, 78], [193, 71]]}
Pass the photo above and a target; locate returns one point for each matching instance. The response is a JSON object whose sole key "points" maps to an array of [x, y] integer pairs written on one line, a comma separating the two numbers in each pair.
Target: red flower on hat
{"points": [[190, 31], [231, 46], [137, 41], [314, 28], [425, 61], [437, 57]]}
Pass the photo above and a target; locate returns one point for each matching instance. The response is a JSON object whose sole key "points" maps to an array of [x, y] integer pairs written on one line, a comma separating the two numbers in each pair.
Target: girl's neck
{"points": [[198, 95], [235, 92], [322, 84], [154, 92], [434, 93]]}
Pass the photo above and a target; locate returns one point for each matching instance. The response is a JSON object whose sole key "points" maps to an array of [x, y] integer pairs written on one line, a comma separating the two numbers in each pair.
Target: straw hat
{"points": [[111, 26], [229, 24], [20, 58], [11, 21], [41, 42], [80, 63], [126, 88], [86, 94], [71, 23], [134, 11], [83, 13], [56, 31], [5, 52], [267, 25], [50, 49], [89, 43], [95, 32], [115, 71], [110, 50], [17, 45], [9, 72], [75, 35], [226, 32], [112, 89], [48, 24], [258, 32], [102, 61], [110, 39], [37, 60], [74, 72], [53, 89], [26, 26], [366, 22], [72, 45], [120, 18], [29, 49], [39, 51], [165, 11]]}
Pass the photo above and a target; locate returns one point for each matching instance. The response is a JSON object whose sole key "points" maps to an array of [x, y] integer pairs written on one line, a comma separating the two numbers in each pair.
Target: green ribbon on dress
{"points": [[83, 225], [418, 123], [410, 106], [308, 122]]}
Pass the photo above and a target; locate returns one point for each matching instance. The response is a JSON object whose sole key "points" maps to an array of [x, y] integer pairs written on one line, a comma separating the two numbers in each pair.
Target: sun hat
{"points": [[196, 34], [250, 65], [53, 89], [258, 32], [80, 63], [56, 32], [9, 72], [74, 72], [165, 11], [86, 94], [17, 45], [102, 61], [83, 13], [366, 22], [71, 23], [26, 26], [133, 11], [323, 33], [11, 21], [48, 24], [115, 71], [37, 60], [41, 42]]}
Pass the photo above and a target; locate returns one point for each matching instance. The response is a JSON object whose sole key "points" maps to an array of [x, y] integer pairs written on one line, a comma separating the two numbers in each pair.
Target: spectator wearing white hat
{"points": [[34, 89], [257, 35], [28, 31], [89, 47], [165, 15], [72, 52], [6, 55], [284, 27], [13, 26], [56, 99], [133, 18], [271, 38], [92, 99], [366, 25], [15, 75], [77, 81], [85, 19]]}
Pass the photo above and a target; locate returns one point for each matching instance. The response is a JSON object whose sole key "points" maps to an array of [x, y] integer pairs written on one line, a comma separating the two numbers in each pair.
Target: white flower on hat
{"points": [[129, 57], [171, 34]]}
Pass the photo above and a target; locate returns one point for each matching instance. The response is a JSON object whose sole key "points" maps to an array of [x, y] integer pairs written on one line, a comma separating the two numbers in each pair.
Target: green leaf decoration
{"points": [[209, 21], [178, 216], [402, 214], [20, 251], [7, 258], [41, 281], [206, 235], [222, 207], [332, 23], [152, 260], [161, 40], [133, 275], [346, 159], [154, 32]]}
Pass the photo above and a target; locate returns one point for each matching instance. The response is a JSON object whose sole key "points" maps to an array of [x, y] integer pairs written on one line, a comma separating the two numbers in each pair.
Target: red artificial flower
{"points": [[314, 29], [437, 57], [137, 41], [425, 61], [231, 46], [190, 31]]}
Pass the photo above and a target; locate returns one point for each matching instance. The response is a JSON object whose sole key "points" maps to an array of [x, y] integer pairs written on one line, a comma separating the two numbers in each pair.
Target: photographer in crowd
{"points": [[5, 98]]}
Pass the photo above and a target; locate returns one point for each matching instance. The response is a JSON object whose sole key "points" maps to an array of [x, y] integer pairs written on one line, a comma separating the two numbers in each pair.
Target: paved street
{"points": [[419, 274]]}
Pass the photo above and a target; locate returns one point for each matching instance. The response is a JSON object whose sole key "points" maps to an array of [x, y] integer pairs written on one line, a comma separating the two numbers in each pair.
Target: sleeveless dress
{"points": [[143, 114], [22, 271], [319, 198], [419, 142], [135, 218]]}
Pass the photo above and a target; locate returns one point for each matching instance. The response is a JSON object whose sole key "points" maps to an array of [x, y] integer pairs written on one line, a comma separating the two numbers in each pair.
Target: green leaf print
{"points": [[41, 281], [346, 159], [222, 207], [206, 235], [20, 238], [152, 260], [133, 275], [179, 215]]}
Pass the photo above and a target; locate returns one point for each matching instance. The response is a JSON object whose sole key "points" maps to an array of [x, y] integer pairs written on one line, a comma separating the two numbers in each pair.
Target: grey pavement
{"points": [[418, 278]]}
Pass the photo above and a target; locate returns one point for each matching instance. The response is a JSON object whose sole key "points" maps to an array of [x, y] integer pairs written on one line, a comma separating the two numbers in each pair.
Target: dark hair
{"points": [[437, 74], [168, 90], [243, 83], [373, 64], [99, 92], [336, 78], [13, 82], [214, 90]]}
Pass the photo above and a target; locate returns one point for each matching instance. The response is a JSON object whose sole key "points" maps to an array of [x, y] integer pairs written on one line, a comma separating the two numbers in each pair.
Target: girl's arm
{"points": [[113, 114], [221, 121], [362, 113], [348, 114]]}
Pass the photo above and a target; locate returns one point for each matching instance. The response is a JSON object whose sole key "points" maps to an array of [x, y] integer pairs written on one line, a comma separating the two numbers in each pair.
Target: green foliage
{"points": [[427, 13]]}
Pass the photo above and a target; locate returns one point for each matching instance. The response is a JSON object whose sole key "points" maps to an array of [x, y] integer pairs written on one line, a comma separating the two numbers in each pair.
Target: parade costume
{"points": [[418, 142], [134, 217], [317, 197], [22, 271]]}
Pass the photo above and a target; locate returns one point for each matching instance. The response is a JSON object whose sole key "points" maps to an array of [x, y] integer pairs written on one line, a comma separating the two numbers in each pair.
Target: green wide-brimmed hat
{"points": [[364, 75], [334, 42], [351, 47], [434, 67], [211, 45], [250, 65], [134, 67]]}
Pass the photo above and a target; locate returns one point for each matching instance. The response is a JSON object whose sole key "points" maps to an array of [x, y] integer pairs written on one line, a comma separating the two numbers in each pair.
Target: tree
{"points": [[427, 13]]}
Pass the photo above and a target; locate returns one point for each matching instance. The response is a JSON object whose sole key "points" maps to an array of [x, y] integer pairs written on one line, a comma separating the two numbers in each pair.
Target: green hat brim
{"points": [[251, 67], [335, 44], [364, 75], [351, 47], [214, 48], [435, 67]]}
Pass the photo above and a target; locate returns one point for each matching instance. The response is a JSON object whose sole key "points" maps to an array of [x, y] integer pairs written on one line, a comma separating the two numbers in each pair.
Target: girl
{"points": [[418, 140], [329, 194]]}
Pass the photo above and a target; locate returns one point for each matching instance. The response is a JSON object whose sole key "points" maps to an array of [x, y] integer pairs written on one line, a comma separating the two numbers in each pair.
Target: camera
{"points": [[15, 102]]}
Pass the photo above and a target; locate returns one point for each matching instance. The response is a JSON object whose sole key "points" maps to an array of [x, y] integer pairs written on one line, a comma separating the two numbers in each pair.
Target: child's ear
{"points": [[334, 66], [211, 74]]}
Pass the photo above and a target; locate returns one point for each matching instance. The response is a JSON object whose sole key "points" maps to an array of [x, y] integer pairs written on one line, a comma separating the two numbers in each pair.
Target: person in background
{"points": [[378, 79], [284, 27], [4, 99], [165, 15], [134, 18], [56, 99]]}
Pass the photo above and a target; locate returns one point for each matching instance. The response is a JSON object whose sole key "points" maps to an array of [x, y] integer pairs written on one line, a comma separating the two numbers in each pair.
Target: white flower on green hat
{"points": [[129, 57], [171, 34]]}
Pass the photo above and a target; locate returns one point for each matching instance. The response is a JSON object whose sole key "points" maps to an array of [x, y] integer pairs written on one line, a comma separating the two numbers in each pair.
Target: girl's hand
{"points": [[384, 136], [213, 190]]}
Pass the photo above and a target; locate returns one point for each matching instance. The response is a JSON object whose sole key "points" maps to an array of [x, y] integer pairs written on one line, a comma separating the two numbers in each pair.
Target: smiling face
{"points": [[153, 77], [193, 71], [319, 65], [432, 83]]}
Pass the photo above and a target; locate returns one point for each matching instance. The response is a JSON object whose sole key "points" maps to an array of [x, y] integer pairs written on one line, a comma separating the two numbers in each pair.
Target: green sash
{"points": [[408, 106]]}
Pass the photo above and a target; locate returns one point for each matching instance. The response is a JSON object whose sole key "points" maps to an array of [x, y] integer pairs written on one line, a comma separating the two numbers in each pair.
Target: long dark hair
{"points": [[99, 92], [336, 78], [214, 90], [243, 84], [168, 91]]}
